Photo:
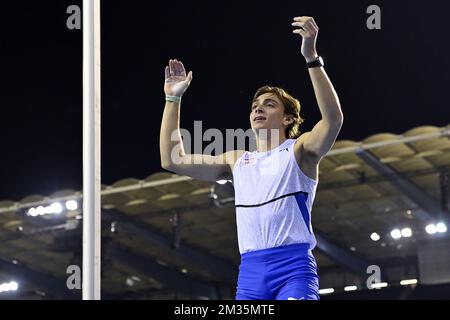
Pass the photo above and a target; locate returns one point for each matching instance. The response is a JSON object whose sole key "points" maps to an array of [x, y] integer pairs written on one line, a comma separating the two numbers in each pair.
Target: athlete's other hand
{"points": [[176, 82], [308, 29]]}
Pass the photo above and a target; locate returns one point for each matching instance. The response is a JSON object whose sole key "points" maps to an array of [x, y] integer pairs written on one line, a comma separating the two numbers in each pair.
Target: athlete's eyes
{"points": [[270, 104]]}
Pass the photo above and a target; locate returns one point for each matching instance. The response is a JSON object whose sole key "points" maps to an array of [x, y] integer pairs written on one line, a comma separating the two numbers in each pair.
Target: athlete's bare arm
{"points": [[315, 144], [173, 156]]}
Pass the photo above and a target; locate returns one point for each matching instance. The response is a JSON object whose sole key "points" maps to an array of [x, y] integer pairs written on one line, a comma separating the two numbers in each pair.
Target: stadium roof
{"points": [[170, 236]]}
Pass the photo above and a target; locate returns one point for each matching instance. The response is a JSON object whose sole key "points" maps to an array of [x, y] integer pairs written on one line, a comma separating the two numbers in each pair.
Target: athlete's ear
{"points": [[288, 119]]}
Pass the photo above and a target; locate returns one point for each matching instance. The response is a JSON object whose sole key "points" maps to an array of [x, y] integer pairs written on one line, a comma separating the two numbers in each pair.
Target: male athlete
{"points": [[273, 207]]}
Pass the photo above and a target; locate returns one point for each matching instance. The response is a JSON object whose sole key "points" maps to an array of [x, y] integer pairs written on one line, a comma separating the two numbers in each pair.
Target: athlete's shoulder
{"points": [[232, 156]]}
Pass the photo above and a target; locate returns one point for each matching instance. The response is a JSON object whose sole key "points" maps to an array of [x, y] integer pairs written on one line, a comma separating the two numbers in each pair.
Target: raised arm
{"points": [[173, 155], [321, 138]]}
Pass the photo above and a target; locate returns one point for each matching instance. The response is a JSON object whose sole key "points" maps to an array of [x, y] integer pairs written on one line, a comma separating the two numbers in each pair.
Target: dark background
{"points": [[388, 80]]}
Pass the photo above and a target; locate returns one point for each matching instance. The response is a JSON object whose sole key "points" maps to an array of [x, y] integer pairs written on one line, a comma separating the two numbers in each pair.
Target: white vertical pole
{"points": [[91, 150]]}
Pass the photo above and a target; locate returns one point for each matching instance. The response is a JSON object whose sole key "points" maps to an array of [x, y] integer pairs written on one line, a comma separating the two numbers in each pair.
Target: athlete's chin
{"points": [[263, 130], [260, 126]]}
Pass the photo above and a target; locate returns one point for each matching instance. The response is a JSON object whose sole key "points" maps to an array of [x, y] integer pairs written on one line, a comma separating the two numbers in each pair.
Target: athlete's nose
{"points": [[258, 110]]}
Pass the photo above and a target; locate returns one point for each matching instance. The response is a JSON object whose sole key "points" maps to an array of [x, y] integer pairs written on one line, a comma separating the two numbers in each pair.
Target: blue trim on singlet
{"points": [[301, 201]]}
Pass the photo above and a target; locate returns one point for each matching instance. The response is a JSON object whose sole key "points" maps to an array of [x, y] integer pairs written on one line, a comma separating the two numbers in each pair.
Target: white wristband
{"points": [[173, 99]]}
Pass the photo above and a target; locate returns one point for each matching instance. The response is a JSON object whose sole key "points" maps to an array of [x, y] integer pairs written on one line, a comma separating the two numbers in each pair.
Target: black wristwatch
{"points": [[318, 62]]}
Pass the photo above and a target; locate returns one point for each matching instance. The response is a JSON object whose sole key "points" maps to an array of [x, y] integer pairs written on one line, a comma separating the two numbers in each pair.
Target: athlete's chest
{"points": [[274, 163]]}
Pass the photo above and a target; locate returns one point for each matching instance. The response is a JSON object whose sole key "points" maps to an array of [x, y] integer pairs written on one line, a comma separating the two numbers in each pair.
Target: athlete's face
{"points": [[268, 113]]}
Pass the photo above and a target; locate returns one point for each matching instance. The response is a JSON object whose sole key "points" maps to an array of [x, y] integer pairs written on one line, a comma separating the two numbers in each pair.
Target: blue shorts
{"points": [[280, 273]]}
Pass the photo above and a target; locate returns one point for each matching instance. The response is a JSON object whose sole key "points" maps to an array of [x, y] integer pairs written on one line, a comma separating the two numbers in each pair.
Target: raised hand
{"points": [[176, 82], [308, 29]]}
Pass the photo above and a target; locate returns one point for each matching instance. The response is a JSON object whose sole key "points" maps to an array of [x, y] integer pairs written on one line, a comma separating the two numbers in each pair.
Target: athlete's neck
{"points": [[264, 145]]}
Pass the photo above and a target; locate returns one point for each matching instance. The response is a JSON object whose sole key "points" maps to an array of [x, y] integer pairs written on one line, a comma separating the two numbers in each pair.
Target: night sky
{"points": [[387, 80]]}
